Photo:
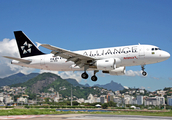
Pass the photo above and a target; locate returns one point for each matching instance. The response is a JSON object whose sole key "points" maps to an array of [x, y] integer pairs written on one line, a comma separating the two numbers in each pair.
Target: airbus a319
{"points": [[108, 60]]}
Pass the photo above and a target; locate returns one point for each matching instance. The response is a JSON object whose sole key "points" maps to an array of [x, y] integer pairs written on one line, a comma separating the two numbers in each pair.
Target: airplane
{"points": [[111, 60]]}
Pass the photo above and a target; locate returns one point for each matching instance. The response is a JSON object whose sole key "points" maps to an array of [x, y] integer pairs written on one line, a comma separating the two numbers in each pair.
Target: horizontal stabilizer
{"points": [[19, 59]]}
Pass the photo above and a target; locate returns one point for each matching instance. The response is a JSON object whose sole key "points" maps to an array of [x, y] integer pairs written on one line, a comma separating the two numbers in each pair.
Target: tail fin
{"points": [[25, 45]]}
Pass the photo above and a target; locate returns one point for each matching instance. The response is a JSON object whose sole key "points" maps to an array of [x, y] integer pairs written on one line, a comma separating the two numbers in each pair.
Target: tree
{"points": [[75, 103], [111, 104], [105, 106], [47, 100]]}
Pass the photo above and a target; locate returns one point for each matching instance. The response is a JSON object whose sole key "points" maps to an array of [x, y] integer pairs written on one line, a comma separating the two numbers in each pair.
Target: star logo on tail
{"points": [[26, 48]]}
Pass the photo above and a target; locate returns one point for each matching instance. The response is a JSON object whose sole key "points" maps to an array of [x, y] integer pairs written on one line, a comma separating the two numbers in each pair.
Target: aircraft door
{"points": [[141, 51], [42, 62]]}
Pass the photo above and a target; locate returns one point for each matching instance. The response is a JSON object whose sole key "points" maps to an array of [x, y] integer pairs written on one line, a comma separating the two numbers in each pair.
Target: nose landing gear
{"points": [[143, 71]]}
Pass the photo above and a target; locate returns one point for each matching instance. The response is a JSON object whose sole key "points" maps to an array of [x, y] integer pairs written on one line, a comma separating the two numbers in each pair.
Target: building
{"points": [[90, 99], [57, 97], [142, 91], [118, 100], [150, 101], [21, 99], [139, 100], [98, 99], [169, 100], [80, 100], [1, 98], [161, 92], [7, 99], [102, 99], [110, 97], [128, 99], [134, 101], [156, 101], [161, 100]]}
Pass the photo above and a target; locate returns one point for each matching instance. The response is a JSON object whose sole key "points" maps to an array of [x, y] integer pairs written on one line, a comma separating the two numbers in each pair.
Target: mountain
{"points": [[74, 82], [87, 85], [16, 78], [43, 82], [111, 86], [39, 82]]}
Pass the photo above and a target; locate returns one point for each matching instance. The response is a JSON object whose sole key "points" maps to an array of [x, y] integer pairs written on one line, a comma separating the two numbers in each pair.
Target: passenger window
{"points": [[156, 48], [152, 49]]}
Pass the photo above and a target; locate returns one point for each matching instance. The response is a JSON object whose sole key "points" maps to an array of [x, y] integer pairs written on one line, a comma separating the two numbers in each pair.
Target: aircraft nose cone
{"points": [[166, 55]]}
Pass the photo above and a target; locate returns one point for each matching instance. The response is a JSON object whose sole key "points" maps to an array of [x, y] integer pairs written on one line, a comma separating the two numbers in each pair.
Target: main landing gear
{"points": [[84, 75], [93, 78], [143, 71]]}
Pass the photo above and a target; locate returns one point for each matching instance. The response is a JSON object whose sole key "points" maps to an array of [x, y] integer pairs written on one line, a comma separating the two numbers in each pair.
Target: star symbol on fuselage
{"points": [[26, 48]]}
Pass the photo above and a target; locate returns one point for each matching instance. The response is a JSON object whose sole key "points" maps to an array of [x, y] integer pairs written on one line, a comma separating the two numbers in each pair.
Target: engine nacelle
{"points": [[106, 64], [117, 71]]}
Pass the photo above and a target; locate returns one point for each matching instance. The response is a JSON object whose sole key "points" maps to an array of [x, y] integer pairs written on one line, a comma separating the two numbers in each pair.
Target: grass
{"points": [[53, 111]]}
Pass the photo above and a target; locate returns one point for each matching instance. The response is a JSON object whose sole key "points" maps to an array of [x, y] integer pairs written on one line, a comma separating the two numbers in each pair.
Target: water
{"points": [[83, 110]]}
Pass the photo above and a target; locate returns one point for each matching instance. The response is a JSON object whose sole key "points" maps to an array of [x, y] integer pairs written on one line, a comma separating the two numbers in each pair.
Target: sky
{"points": [[89, 24]]}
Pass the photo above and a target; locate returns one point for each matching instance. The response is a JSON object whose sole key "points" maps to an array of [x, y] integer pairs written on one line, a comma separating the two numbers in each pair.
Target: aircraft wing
{"points": [[19, 59], [80, 60]]}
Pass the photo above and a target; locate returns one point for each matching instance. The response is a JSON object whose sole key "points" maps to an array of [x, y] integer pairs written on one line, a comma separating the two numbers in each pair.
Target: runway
{"points": [[84, 117], [120, 117]]}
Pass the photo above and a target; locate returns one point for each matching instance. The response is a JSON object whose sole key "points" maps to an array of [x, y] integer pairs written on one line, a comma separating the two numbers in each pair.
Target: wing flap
{"points": [[19, 59]]}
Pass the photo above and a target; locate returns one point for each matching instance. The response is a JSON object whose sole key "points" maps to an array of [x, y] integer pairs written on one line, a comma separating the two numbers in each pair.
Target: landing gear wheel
{"points": [[84, 75], [144, 73], [94, 78], [143, 68]]}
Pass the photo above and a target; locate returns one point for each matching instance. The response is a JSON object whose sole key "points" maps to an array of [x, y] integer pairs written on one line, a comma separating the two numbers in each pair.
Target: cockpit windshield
{"points": [[155, 49]]}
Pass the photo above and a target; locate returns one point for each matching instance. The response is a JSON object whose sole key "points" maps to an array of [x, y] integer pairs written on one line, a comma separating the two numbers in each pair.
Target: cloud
{"points": [[66, 74], [70, 74], [133, 73], [156, 78], [148, 87], [142, 87], [48, 71], [9, 48]]}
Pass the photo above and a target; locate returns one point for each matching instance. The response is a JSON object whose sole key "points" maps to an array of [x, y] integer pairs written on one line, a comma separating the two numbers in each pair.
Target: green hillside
{"points": [[16, 78], [43, 82]]}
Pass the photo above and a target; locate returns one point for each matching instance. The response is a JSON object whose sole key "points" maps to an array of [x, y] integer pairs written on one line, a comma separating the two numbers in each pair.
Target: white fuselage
{"points": [[128, 55]]}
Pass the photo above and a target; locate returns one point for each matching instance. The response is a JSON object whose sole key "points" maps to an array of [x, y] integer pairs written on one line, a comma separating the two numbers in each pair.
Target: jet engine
{"points": [[108, 64], [116, 71]]}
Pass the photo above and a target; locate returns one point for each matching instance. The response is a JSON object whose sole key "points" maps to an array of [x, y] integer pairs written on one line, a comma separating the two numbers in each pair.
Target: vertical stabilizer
{"points": [[25, 45]]}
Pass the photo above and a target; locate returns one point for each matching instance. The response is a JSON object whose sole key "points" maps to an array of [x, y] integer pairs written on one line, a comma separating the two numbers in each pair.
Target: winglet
{"points": [[38, 44]]}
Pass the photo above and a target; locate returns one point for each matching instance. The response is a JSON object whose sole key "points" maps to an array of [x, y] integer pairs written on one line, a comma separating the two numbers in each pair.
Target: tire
{"points": [[144, 73], [84, 75], [94, 78]]}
